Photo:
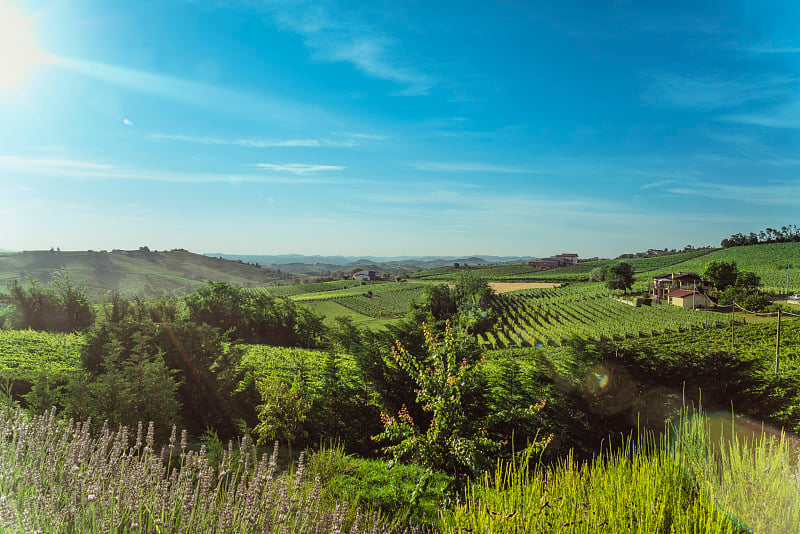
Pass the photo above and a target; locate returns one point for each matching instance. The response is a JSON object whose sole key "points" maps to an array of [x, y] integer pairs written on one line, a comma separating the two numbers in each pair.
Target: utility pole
{"points": [[733, 323], [778, 344]]}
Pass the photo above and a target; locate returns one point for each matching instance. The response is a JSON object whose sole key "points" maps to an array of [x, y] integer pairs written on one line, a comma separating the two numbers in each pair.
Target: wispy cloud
{"points": [[301, 169], [657, 184], [44, 164], [196, 93], [349, 142], [783, 116], [716, 92], [440, 166], [298, 174], [766, 194], [342, 37]]}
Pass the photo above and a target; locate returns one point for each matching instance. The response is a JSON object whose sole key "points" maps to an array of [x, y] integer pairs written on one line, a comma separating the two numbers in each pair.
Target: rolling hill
{"points": [[136, 272], [769, 261]]}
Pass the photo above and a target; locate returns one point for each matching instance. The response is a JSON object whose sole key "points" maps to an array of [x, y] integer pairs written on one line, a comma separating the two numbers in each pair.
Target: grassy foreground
{"points": [[707, 476]]}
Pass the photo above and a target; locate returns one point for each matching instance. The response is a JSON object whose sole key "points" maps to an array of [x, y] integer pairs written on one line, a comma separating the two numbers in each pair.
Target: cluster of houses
{"points": [[365, 275], [559, 260]]}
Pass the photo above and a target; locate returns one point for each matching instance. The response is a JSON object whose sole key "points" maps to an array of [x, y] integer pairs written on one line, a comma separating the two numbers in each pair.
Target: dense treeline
{"points": [[784, 234]]}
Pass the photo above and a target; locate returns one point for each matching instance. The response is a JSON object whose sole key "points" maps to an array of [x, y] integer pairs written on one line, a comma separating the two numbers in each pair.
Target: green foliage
{"points": [[598, 274], [453, 442], [254, 317], [63, 308], [375, 487], [152, 339], [721, 274], [748, 298], [342, 406], [285, 407], [620, 277], [439, 301]]}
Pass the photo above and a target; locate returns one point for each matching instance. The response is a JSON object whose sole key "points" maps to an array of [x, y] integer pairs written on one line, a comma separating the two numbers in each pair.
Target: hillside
{"points": [[768, 261], [141, 272]]}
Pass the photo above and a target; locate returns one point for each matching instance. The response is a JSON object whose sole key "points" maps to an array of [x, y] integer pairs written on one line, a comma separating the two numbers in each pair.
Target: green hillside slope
{"points": [[768, 261], [141, 272]]}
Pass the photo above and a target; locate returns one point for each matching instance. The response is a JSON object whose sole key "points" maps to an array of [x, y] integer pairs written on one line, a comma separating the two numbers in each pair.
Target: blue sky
{"points": [[396, 128]]}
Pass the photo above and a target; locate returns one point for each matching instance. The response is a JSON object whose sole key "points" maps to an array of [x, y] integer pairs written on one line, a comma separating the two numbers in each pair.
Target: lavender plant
{"points": [[56, 477]]}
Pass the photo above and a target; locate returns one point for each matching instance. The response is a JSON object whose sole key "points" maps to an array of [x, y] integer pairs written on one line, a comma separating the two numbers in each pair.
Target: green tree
{"points": [[138, 339], [284, 410], [62, 308], [255, 316], [621, 277], [721, 274], [453, 442], [598, 274]]}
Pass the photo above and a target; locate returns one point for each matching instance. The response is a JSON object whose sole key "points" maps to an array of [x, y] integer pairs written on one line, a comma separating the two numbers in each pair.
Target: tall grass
{"points": [[688, 481], [55, 477]]}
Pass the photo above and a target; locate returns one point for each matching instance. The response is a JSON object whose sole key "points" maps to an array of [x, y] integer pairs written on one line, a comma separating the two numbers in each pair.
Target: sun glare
{"points": [[18, 49]]}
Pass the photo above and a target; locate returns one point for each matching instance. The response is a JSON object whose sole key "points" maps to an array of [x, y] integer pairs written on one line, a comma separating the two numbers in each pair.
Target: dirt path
{"points": [[505, 287]]}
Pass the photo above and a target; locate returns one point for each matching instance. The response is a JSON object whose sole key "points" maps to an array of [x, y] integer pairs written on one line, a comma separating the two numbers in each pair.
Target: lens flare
{"points": [[19, 52]]}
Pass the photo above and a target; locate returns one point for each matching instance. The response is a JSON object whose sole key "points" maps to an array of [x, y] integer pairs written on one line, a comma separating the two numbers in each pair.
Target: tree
{"points": [[621, 277], [721, 274], [598, 274], [62, 308], [283, 413], [452, 442]]}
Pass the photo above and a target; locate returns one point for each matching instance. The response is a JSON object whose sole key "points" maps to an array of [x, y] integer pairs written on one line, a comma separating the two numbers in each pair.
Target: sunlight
{"points": [[18, 49]]}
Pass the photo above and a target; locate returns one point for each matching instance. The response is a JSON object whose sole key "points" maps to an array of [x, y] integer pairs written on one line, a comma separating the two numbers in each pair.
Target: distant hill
{"points": [[335, 265], [135, 272]]}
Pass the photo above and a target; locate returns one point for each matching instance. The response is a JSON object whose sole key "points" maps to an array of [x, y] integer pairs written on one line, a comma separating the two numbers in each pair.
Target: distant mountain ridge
{"points": [[335, 265], [347, 260]]}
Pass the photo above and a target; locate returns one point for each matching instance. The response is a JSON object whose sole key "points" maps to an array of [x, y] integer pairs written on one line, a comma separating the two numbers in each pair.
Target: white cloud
{"points": [[20, 163], [63, 168], [348, 142], [342, 37], [301, 169], [439, 166]]}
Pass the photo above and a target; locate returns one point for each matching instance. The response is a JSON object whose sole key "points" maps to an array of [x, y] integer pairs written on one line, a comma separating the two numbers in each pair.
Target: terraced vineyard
{"points": [[540, 317]]}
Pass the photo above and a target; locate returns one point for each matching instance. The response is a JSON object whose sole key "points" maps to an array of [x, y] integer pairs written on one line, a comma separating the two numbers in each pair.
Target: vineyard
{"points": [[540, 317], [303, 289], [579, 272], [26, 353], [380, 300]]}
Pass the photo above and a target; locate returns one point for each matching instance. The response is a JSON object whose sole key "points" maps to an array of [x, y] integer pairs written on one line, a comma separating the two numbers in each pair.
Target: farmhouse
{"points": [[559, 260], [689, 298], [681, 289], [365, 276]]}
